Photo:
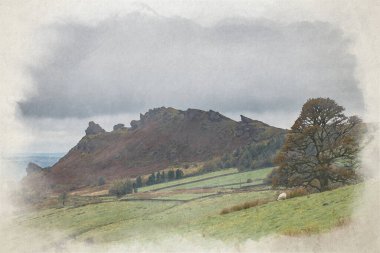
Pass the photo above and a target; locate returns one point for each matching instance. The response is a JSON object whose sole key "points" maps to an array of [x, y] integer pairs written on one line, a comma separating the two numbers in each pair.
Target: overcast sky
{"points": [[118, 66], [140, 61]]}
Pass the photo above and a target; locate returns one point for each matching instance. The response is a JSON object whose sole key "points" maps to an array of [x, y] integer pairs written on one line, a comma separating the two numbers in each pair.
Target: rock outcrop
{"points": [[245, 119], [94, 128], [119, 127], [33, 168]]}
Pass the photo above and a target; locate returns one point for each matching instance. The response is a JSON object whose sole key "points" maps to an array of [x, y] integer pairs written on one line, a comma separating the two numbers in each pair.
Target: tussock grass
{"points": [[245, 205], [307, 231]]}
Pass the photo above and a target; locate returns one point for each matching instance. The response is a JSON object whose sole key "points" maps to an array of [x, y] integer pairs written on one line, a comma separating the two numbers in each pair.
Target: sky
{"points": [[71, 63]]}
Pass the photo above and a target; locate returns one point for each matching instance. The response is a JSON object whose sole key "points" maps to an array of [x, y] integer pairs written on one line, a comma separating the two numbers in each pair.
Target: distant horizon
{"points": [[33, 153]]}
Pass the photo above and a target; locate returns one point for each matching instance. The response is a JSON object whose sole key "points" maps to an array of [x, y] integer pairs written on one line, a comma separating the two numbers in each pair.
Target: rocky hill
{"points": [[162, 137]]}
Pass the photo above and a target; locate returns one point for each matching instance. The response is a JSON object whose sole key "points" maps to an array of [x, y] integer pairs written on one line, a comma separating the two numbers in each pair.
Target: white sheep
{"points": [[282, 196]]}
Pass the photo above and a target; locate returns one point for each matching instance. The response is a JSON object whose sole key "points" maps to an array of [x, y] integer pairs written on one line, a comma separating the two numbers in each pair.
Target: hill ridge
{"points": [[162, 137]]}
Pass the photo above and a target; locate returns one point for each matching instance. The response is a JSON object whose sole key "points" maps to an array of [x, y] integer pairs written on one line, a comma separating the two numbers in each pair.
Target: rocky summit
{"points": [[162, 137]]}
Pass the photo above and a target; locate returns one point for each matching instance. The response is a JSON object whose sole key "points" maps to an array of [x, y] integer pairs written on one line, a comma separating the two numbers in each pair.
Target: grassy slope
{"points": [[307, 214], [126, 221]]}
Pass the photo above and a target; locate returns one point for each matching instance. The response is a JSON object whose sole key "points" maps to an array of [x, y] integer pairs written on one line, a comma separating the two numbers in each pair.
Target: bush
{"points": [[151, 179], [101, 181], [249, 180], [158, 178], [179, 174], [121, 188], [310, 230], [296, 192], [63, 198], [139, 182], [245, 205], [210, 166], [171, 175]]}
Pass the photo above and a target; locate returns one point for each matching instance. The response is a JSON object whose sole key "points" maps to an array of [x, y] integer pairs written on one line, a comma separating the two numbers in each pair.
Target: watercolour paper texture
{"points": [[166, 126]]}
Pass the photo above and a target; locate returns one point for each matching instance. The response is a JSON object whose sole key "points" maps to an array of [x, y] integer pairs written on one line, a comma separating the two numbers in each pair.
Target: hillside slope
{"points": [[162, 137], [131, 221]]}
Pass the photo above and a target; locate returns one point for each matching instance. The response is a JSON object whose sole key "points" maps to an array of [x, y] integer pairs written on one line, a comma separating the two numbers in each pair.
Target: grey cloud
{"points": [[126, 65]]}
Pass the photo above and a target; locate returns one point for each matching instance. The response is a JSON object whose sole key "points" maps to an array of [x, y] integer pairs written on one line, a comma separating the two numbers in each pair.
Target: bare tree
{"points": [[320, 148]]}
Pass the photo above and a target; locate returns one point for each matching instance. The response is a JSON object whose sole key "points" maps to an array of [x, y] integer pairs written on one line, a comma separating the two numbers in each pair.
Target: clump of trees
{"points": [[250, 157], [320, 149], [161, 177], [120, 188]]}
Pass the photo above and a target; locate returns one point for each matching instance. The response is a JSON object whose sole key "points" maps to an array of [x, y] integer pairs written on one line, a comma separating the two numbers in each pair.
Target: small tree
{"points": [[101, 181], [139, 182], [171, 175], [163, 176], [151, 179], [134, 186], [158, 177], [120, 188], [320, 148], [178, 174], [128, 186], [62, 198]]}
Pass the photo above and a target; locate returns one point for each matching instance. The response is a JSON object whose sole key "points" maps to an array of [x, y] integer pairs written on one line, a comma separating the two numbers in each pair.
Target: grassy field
{"points": [[240, 179], [117, 221], [188, 179]]}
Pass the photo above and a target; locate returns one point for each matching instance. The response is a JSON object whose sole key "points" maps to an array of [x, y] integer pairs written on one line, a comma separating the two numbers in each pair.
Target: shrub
{"points": [[179, 174], [249, 180], [101, 181], [245, 205], [62, 198], [210, 166], [158, 177], [296, 192], [151, 179], [120, 188], [307, 231], [134, 187], [163, 177], [139, 182], [171, 175]]}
